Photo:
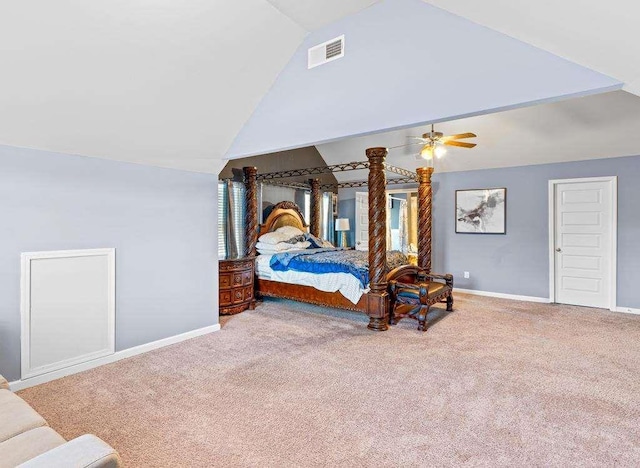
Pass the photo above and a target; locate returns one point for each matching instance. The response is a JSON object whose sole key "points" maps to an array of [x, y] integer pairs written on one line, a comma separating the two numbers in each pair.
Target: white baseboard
{"points": [[502, 295], [627, 310], [117, 356]]}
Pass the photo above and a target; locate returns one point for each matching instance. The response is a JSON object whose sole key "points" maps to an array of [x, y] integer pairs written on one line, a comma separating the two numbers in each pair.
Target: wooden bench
{"points": [[413, 291]]}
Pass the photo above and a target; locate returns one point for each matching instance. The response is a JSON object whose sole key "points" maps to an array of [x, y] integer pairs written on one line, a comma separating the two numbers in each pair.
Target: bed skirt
{"points": [[309, 294]]}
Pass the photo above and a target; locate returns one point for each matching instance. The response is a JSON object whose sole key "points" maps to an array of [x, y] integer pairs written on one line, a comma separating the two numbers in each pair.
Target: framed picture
{"points": [[481, 211]]}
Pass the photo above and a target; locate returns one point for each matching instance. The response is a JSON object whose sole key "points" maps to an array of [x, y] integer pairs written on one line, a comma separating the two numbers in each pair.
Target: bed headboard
{"points": [[285, 213]]}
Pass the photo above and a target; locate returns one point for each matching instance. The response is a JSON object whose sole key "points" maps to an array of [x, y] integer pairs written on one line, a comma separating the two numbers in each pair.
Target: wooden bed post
{"points": [[377, 301], [316, 200], [251, 217], [424, 217]]}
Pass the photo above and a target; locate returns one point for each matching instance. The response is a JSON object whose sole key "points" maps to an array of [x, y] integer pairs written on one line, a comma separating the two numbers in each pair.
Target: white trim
{"points": [[513, 297], [627, 310], [25, 309], [613, 264], [126, 353]]}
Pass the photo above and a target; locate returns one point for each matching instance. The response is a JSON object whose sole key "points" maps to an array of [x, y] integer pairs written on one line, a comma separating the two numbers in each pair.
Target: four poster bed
{"points": [[420, 287]]}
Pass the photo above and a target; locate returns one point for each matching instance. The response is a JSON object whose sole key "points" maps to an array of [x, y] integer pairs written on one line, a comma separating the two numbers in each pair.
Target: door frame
{"points": [[356, 222], [613, 264], [25, 309]]}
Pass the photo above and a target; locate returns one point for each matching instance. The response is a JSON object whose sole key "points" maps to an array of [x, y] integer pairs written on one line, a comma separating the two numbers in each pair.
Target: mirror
{"points": [[402, 220]]}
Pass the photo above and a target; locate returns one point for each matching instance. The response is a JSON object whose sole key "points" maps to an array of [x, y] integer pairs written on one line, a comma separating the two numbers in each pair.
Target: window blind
{"points": [[239, 209], [307, 207], [222, 216], [327, 228]]}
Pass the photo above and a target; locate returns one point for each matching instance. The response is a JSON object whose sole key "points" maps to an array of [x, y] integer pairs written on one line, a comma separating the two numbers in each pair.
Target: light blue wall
{"points": [[347, 206], [518, 262], [347, 209], [441, 67], [161, 222]]}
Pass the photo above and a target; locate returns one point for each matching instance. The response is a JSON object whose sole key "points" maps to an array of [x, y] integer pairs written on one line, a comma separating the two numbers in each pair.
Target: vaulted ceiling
{"points": [[601, 35], [406, 63], [593, 127], [156, 82], [314, 14], [171, 83]]}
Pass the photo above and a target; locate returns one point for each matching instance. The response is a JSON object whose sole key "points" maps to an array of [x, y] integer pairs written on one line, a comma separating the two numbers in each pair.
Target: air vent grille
{"points": [[334, 49], [326, 52]]}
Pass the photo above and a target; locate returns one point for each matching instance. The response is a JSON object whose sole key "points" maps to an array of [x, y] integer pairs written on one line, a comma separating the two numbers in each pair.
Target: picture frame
{"points": [[481, 211]]}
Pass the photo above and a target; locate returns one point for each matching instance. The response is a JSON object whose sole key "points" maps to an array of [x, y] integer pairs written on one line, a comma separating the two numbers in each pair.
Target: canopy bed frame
{"points": [[375, 303]]}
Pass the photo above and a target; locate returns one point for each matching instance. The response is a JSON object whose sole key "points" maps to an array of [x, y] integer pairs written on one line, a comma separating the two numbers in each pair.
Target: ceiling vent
{"points": [[326, 52]]}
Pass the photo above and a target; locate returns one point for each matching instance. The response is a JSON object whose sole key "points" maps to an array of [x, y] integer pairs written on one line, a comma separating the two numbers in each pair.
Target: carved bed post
{"points": [[316, 201], [251, 217], [377, 301], [424, 217]]}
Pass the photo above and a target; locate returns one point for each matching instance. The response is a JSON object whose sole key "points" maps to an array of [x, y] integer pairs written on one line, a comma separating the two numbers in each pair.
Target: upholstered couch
{"points": [[28, 442]]}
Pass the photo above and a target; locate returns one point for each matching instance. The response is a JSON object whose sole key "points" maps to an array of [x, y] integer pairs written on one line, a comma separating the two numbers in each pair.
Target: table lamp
{"points": [[342, 229]]}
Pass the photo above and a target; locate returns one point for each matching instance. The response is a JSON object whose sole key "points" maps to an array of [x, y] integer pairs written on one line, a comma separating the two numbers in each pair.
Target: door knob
{"points": [[558, 249]]}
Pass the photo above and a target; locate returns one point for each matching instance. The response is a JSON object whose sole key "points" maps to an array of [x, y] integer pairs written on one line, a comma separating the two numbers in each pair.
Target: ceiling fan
{"points": [[434, 143]]}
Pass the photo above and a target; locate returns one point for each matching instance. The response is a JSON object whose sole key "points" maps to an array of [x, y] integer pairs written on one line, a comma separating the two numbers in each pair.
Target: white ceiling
{"points": [[156, 82], [382, 83], [313, 14], [600, 126], [169, 83], [602, 35]]}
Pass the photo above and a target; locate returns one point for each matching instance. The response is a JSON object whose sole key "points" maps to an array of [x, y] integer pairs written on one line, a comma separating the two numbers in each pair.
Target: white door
{"points": [[68, 308], [362, 221], [583, 244]]}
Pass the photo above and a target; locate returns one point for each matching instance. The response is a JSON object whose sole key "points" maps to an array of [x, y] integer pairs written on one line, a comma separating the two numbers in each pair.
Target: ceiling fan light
{"points": [[440, 151], [427, 152]]}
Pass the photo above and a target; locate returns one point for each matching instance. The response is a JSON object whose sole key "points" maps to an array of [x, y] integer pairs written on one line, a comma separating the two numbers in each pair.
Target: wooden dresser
{"points": [[236, 285]]}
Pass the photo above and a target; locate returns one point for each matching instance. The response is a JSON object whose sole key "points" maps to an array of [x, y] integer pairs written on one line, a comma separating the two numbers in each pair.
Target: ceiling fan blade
{"points": [[404, 146], [462, 144], [459, 136], [407, 144]]}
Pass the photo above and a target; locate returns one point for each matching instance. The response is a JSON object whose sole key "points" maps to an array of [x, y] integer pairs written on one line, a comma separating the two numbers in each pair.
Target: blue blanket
{"points": [[354, 262]]}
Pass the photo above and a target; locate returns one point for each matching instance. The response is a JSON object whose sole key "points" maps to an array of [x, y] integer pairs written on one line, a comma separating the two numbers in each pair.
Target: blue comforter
{"points": [[354, 262]]}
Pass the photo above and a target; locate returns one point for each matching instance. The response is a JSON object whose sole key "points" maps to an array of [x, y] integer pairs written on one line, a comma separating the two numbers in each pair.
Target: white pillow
{"points": [[280, 247], [273, 238], [291, 231]]}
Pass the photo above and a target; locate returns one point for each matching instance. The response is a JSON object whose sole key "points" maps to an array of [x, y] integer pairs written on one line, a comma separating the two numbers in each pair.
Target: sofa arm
{"points": [[4, 385], [87, 451]]}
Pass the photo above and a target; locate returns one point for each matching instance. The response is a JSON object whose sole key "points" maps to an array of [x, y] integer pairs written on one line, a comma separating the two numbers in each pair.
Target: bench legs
{"points": [[420, 313], [392, 316], [422, 318]]}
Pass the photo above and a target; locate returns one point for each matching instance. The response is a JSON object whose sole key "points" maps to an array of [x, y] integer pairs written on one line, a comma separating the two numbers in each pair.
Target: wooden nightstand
{"points": [[236, 285]]}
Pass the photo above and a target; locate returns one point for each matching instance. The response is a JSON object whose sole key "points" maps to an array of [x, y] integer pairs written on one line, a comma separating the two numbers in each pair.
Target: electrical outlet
{"points": [[466, 274]]}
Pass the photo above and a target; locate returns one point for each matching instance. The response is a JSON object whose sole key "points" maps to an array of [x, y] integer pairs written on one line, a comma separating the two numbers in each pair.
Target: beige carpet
{"points": [[496, 383]]}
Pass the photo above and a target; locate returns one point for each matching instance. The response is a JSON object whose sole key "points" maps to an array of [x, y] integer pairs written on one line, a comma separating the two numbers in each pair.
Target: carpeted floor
{"points": [[496, 383]]}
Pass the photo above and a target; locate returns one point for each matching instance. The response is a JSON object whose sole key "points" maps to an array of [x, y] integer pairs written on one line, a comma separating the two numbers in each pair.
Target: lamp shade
{"points": [[342, 224]]}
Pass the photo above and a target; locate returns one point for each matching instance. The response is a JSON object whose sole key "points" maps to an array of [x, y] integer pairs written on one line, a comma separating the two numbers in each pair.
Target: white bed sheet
{"points": [[348, 285]]}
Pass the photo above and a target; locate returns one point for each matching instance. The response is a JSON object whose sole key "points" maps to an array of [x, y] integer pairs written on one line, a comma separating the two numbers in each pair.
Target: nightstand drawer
{"points": [[237, 279], [225, 280], [225, 298], [238, 296], [236, 285], [247, 277]]}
